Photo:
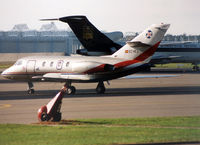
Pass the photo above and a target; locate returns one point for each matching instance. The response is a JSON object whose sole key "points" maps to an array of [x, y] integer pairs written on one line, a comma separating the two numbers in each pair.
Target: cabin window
{"points": [[67, 64], [43, 64], [51, 64]]}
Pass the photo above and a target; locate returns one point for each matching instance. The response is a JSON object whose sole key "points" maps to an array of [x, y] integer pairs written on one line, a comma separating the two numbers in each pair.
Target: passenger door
{"points": [[30, 67]]}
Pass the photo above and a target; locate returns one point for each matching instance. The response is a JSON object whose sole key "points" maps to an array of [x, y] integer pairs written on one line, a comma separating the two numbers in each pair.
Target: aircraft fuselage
{"points": [[72, 68]]}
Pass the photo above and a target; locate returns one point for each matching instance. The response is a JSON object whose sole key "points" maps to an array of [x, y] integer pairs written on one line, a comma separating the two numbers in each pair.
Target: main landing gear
{"points": [[70, 89], [30, 88], [100, 89]]}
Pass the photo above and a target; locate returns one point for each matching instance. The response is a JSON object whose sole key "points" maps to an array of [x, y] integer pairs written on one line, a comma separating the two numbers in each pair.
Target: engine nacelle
{"points": [[109, 67], [79, 67]]}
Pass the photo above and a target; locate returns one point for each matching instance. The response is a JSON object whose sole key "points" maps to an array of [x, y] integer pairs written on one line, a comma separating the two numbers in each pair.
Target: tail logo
{"points": [[149, 34]]}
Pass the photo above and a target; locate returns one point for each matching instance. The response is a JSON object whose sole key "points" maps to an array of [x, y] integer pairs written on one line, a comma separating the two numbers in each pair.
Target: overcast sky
{"points": [[108, 15]]}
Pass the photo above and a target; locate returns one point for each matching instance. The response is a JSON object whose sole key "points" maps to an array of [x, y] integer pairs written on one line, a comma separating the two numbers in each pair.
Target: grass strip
{"points": [[154, 121], [103, 131]]}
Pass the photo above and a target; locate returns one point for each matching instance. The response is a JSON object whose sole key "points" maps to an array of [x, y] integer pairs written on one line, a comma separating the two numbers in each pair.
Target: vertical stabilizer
{"points": [[144, 45]]}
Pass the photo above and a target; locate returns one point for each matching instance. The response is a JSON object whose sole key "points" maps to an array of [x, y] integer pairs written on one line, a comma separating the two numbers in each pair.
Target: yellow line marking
{"points": [[5, 106]]}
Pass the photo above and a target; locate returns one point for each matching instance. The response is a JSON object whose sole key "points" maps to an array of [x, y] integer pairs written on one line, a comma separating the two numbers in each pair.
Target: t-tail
{"points": [[142, 47]]}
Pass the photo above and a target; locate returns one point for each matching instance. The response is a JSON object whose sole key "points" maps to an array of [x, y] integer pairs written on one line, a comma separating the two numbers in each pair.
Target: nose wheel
{"points": [[31, 91]]}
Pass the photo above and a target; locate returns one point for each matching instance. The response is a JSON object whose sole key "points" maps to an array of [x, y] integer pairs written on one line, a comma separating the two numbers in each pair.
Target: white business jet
{"points": [[129, 59]]}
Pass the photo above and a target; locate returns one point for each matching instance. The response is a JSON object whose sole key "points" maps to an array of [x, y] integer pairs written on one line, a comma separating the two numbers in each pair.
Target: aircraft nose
{"points": [[4, 73]]}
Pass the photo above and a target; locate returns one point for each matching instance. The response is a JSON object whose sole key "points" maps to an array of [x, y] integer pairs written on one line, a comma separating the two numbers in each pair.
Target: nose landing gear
{"points": [[30, 88]]}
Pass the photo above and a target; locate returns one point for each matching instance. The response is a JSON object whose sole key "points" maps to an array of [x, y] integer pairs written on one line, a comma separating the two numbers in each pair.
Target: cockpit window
{"points": [[19, 62]]}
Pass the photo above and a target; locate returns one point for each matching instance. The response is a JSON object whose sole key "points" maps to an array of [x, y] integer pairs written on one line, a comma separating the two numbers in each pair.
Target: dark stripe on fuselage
{"points": [[178, 50]]}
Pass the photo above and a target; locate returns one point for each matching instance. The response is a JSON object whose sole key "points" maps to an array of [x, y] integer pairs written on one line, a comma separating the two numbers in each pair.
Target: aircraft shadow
{"points": [[114, 92]]}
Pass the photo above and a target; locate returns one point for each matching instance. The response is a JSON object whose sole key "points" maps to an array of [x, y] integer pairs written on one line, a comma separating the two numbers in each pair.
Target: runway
{"points": [[176, 96]]}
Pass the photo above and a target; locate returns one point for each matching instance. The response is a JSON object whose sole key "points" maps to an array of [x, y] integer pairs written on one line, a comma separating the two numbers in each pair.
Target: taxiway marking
{"points": [[5, 106]]}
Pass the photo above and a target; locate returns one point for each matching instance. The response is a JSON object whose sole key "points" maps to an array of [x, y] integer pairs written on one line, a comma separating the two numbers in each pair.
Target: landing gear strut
{"points": [[100, 89], [30, 88]]}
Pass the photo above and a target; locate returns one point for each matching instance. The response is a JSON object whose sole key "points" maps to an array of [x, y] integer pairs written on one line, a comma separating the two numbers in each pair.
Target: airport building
{"points": [[49, 40]]}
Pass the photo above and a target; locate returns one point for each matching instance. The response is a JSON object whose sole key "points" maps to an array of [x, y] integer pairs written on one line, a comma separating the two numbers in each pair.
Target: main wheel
{"points": [[100, 88], [71, 90], [31, 91], [57, 117]]}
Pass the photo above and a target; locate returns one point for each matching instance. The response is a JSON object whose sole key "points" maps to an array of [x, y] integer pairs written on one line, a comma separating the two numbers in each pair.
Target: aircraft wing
{"points": [[65, 76], [57, 77], [82, 77]]}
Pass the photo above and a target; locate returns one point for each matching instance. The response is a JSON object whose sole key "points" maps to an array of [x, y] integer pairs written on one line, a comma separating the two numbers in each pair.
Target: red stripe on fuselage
{"points": [[149, 52], [99, 68]]}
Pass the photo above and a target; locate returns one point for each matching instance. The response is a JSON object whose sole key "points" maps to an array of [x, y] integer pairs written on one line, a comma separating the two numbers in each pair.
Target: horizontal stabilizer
{"points": [[137, 44], [56, 19]]}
